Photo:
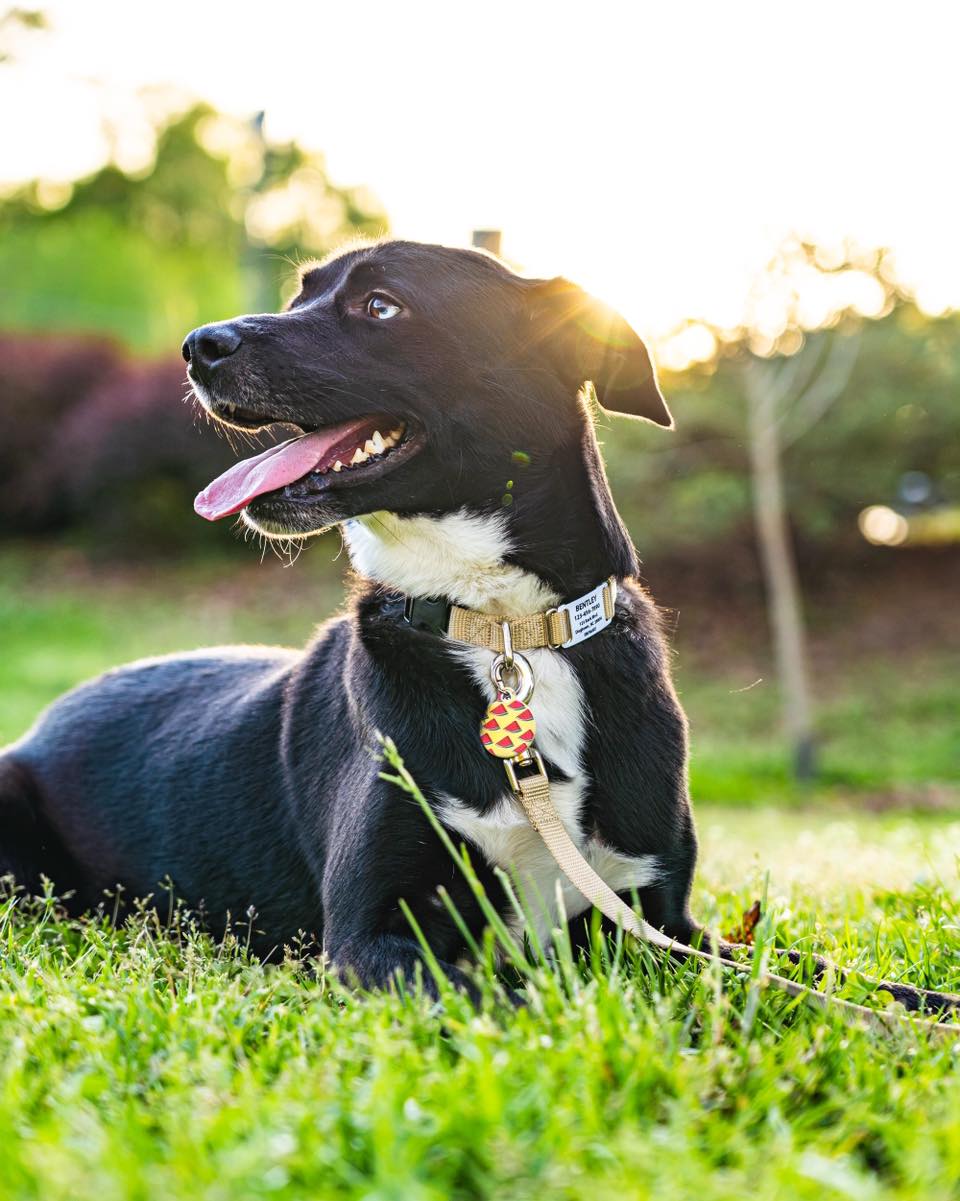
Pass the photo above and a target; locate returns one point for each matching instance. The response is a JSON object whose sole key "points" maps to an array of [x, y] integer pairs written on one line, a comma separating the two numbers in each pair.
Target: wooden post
{"points": [[487, 239]]}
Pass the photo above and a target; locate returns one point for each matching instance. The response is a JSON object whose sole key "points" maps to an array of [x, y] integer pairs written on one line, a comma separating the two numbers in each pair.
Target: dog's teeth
{"points": [[370, 448], [338, 466], [377, 442], [358, 457]]}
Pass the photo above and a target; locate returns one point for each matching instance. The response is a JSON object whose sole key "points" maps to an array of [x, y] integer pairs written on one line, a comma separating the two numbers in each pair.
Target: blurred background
{"points": [[768, 194]]}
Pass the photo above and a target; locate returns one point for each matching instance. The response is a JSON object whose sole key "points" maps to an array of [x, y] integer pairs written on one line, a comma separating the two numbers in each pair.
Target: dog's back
{"points": [[165, 769]]}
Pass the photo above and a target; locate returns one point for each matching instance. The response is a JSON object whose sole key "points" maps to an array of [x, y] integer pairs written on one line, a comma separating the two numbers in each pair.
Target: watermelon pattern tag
{"points": [[507, 728]]}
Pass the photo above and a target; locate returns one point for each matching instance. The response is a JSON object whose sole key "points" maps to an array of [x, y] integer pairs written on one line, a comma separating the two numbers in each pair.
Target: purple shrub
{"points": [[41, 379], [101, 444]]}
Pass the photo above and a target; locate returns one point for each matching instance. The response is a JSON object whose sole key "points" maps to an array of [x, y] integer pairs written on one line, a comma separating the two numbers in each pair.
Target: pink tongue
{"points": [[274, 468]]}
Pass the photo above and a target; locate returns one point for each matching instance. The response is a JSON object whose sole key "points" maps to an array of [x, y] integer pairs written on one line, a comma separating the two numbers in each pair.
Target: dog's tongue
{"points": [[274, 468]]}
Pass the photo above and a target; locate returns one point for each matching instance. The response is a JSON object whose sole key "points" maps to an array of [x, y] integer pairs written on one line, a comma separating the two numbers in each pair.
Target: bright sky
{"points": [[654, 152]]}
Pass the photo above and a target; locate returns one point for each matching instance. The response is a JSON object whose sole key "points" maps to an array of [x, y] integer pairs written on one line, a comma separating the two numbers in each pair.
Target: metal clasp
{"points": [[521, 671], [507, 645], [531, 758]]}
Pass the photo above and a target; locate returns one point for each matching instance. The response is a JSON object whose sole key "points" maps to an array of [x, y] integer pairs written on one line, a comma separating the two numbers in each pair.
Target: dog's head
{"points": [[416, 378]]}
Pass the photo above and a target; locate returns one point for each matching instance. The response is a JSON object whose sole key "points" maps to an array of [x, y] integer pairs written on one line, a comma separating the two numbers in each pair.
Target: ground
{"points": [[147, 1063]]}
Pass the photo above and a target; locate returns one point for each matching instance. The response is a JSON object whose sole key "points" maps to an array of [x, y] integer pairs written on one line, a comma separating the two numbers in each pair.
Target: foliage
{"points": [[198, 235], [95, 441], [41, 381], [898, 413]]}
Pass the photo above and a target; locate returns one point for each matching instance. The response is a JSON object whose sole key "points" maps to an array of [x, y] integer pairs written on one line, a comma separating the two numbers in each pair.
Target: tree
{"points": [[205, 230], [773, 395], [690, 492], [834, 385], [790, 380]]}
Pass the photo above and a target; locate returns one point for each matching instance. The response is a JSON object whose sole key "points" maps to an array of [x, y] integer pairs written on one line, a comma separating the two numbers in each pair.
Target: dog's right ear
{"points": [[588, 340]]}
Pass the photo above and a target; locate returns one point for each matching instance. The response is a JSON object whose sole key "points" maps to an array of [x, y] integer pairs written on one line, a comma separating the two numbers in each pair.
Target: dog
{"points": [[443, 410]]}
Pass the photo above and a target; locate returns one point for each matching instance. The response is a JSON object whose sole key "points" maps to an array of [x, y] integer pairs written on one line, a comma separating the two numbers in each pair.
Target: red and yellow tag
{"points": [[508, 727]]}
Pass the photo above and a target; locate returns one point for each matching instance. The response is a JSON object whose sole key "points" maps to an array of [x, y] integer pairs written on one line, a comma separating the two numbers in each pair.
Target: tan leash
{"points": [[508, 731]]}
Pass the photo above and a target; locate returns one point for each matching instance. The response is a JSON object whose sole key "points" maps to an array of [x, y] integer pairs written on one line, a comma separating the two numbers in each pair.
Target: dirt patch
{"points": [[869, 602]]}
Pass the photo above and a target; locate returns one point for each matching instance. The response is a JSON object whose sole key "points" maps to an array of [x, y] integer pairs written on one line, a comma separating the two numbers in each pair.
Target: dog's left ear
{"points": [[592, 342]]}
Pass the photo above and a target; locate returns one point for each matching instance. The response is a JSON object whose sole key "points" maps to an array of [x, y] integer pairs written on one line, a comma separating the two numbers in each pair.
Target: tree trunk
{"points": [[780, 572]]}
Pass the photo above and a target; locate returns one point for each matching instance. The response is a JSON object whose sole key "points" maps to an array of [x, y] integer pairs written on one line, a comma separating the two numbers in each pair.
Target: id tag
{"points": [[508, 728], [586, 616]]}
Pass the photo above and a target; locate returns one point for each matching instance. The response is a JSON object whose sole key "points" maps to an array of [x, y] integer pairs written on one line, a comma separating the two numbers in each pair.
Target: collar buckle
{"points": [[428, 613]]}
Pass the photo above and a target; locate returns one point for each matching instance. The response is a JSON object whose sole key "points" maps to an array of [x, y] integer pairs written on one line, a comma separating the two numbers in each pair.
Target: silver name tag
{"points": [[587, 616]]}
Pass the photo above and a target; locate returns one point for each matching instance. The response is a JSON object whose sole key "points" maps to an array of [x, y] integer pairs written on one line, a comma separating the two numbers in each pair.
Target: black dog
{"points": [[443, 421]]}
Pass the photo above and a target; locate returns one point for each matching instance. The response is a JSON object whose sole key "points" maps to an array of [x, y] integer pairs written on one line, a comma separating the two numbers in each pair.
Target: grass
{"points": [[889, 732], [147, 1062], [63, 620]]}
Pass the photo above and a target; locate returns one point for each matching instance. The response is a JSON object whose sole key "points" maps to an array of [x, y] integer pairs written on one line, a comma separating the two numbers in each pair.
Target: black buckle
{"points": [[429, 613]]}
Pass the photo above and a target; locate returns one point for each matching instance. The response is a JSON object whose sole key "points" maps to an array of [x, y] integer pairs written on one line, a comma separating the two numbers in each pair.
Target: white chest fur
{"points": [[461, 556], [504, 835]]}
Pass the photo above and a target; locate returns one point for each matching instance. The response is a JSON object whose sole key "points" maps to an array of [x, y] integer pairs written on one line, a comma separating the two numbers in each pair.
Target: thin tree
{"points": [[786, 395], [773, 395]]}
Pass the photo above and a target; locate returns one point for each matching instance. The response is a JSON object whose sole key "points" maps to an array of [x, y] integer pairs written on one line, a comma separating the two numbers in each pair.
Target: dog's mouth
{"points": [[316, 461]]}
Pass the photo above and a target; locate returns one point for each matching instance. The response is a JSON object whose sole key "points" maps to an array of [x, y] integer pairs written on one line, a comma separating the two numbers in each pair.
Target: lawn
{"points": [[889, 730], [146, 1062]]}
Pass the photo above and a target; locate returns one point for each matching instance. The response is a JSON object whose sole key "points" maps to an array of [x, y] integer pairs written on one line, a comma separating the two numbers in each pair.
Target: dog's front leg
{"points": [[383, 850], [391, 961]]}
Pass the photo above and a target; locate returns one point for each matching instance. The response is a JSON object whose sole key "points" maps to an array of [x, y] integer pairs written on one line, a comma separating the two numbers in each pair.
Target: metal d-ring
{"points": [[520, 669], [507, 644]]}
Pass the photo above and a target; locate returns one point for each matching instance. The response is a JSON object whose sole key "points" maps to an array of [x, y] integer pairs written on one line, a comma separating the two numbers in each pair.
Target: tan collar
{"points": [[562, 626]]}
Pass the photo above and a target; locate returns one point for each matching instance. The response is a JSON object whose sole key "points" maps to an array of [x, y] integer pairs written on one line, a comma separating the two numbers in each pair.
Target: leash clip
{"points": [[517, 667], [533, 759]]}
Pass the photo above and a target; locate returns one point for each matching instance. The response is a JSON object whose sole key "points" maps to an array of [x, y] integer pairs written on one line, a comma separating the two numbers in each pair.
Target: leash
{"points": [[533, 793], [508, 731]]}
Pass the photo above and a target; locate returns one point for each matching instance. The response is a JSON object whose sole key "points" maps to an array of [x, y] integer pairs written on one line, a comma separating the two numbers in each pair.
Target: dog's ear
{"points": [[592, 342]]}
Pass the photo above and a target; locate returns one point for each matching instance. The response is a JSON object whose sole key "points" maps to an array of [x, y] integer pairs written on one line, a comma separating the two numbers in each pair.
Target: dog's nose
{"points": [[203, 348]]}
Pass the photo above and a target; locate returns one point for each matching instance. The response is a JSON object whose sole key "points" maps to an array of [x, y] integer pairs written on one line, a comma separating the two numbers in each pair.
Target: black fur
{"points": [[249, 777]]}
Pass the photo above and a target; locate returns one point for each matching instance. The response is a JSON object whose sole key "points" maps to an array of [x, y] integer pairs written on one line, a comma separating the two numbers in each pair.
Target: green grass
{"points": [[148, 1063], [889, 732], [63, 620]]}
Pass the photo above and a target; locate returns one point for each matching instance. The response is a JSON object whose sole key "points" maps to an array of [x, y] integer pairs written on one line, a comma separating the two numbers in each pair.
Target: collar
{"points": [[563, 626]]}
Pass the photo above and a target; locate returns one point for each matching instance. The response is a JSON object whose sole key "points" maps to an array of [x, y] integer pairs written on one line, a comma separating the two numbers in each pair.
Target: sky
{"points": [[656, 153]]}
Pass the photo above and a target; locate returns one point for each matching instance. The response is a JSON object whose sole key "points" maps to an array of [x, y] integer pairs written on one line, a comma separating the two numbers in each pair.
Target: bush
{"points": [[96, 442], [41, 380]]}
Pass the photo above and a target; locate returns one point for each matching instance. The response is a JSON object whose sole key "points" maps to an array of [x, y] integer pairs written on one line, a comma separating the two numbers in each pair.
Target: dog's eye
{"points": [[382, 307]]}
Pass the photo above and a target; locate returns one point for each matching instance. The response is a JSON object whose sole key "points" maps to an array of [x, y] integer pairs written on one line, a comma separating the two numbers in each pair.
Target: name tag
{"points": [[587, 616]]}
